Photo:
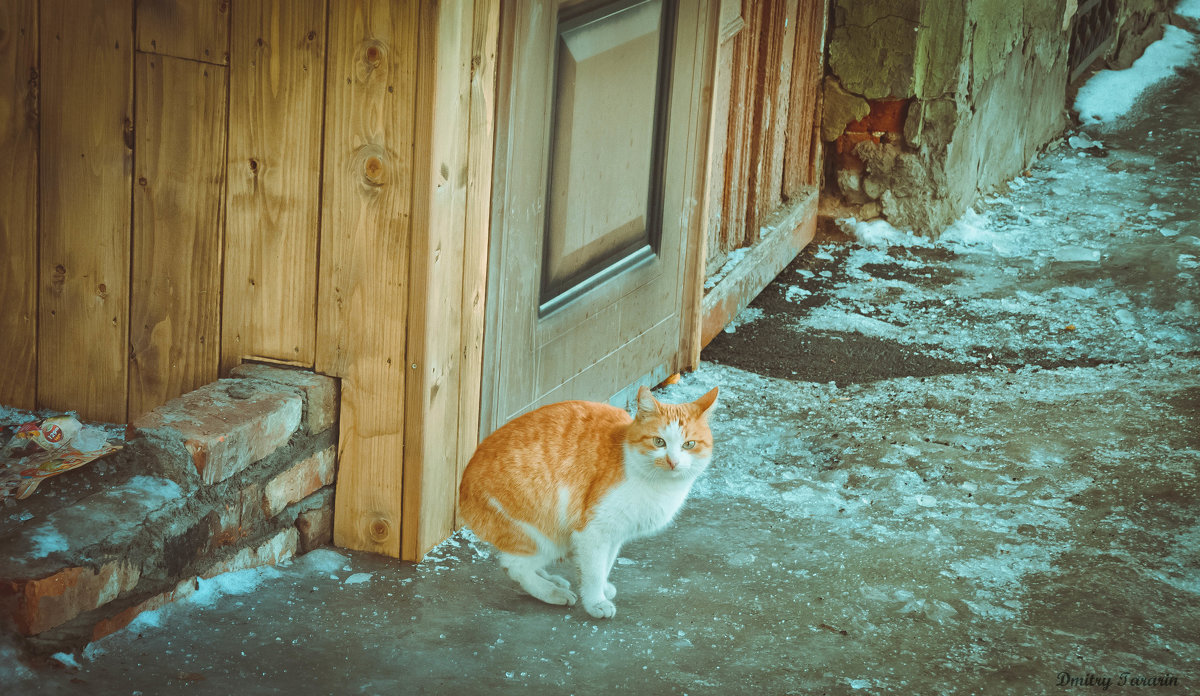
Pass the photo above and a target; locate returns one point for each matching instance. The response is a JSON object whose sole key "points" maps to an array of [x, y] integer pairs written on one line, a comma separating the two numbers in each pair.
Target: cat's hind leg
{"points": [[556, 579], [530, 573]]}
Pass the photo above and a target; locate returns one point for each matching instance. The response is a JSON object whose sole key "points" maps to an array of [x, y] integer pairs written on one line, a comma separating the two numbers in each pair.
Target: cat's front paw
{"points": [[610, 591], [601, 609]]}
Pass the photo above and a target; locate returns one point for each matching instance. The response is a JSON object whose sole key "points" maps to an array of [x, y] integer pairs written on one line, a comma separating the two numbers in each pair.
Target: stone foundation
{"points": [[929, 102], [234, 475]]}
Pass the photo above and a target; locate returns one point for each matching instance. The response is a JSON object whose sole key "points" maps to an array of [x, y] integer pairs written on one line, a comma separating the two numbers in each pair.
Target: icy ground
{"points": [[963, 466]]}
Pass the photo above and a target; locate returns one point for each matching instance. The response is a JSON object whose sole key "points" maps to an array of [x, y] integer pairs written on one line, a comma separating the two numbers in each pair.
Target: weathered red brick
{"points": [[300, 481], [225, 426], [886, 116], [315, 527], [278, 548], [320, 391], [238, 517], [43, 603], [122, 619]]}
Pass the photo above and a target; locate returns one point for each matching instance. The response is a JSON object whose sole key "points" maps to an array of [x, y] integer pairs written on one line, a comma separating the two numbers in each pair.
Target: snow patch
{"points": [[748, 315], [322, 561], [1111, 94], [47, 540], [731, 262], [66, 659], [974, 233], [150, 489], [879, 233]]}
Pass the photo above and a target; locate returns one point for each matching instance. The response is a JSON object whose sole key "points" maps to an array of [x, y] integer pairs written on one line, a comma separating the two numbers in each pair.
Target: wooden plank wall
{"points": [[485, 40], [276, 91], [84, 182], [437, 263], [176, 259], [18, 202], [189, 184], [802, 142], [367, 223], [765, 92]]}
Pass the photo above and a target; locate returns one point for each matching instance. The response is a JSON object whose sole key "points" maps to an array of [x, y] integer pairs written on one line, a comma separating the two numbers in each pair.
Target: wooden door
{"points": [[601, 120]]}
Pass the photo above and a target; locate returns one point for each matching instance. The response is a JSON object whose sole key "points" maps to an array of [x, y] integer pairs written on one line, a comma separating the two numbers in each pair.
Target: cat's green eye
{"points": [[689, 444], [659, 442]]}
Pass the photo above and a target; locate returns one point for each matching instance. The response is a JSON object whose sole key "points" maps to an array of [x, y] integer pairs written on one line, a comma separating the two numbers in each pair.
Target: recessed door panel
{"points": [[604, 175]]}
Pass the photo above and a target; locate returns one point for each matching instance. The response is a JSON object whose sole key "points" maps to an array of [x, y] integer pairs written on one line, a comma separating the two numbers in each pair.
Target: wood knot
{"points": [[374, 171], [380, 530]]}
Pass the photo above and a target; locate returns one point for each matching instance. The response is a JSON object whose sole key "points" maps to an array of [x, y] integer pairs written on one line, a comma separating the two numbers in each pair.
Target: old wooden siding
{"points": [[765, 104], [367, 226], [85, 166], [189, 184], [763, 153], [276, 89], [18, 202], [177, 205]]}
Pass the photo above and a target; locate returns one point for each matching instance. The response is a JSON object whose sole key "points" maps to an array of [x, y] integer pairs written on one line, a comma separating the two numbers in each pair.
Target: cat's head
{"points": [[671, 440]]}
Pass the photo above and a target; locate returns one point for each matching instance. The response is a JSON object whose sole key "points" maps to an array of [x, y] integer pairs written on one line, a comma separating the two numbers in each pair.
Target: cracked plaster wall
{"points": [[928, 102]]}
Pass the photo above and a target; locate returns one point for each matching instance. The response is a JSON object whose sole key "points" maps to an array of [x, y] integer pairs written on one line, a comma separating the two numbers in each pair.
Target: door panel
{"points": [[596, 133], [603, 178]]}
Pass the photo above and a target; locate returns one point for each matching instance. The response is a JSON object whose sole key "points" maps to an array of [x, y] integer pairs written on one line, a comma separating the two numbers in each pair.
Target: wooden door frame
{"points": [[448, 262], [440, 354]]}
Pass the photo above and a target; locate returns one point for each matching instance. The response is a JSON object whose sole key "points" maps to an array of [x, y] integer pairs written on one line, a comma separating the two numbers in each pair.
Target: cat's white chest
{"points": [[633, 509]]}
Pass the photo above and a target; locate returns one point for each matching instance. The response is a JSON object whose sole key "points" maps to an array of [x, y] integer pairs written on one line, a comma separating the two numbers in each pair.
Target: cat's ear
{"points": [[646, 402], [706, 402]]}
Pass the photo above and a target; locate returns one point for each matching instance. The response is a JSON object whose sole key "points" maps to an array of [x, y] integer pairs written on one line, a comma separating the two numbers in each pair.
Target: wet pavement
{"points": [[962, 467]]}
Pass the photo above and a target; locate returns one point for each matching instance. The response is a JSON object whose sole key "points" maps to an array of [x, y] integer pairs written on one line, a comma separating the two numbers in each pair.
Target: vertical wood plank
{"points": [[18, 202], [179, 159], [736, 154], [521, 78], [778, 86], [708, 137], [85, 177], [367, 223], [435, 311], [276, 79], [760, 89], [485, 38], [802, 146], [730, 23], [192, 29]]}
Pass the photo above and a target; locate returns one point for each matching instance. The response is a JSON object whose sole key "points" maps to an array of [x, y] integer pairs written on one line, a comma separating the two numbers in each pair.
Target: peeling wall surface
{"points": [[927, 102]]}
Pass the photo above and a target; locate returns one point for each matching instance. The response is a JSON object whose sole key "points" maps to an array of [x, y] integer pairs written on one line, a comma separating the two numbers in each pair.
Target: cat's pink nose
{"points": [[672, 463]]}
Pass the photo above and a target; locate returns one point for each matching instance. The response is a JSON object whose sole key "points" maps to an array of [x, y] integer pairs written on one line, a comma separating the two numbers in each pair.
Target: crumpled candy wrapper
{"points": [[41, 449]]}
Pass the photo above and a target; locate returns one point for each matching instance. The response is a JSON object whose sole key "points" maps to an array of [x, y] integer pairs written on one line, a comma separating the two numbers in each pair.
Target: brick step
{"points": [[229, 476]]}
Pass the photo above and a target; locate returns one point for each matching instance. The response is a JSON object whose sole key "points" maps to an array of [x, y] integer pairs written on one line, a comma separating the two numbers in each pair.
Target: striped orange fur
{"points": [[580, 479]]}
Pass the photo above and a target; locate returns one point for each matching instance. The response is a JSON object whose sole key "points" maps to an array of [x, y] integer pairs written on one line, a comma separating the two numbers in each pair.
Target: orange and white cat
{"points": [[580, 479]]}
